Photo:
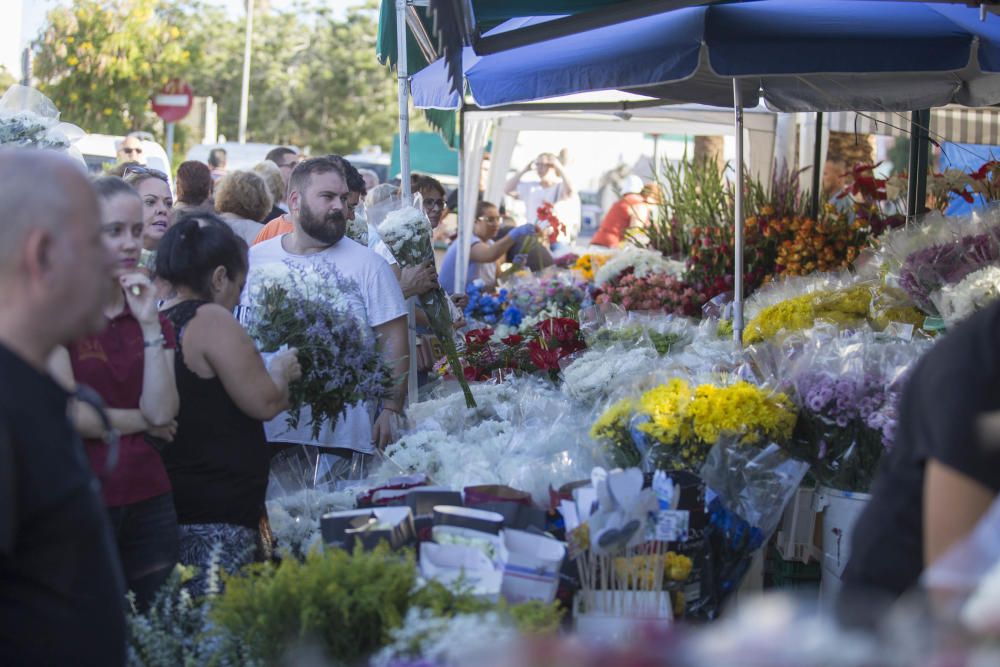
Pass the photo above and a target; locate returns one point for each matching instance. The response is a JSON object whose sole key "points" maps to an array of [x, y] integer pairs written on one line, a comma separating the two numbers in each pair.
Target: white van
{"points": [[101, 151], [238, 156]]}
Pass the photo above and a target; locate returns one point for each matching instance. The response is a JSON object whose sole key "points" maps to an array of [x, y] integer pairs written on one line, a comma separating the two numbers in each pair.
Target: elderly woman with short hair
{"points": [[243, 200], [275, 185]]}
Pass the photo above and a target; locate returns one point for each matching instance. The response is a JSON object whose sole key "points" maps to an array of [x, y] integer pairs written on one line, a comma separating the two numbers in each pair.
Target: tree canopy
{"points": [[315, 81]]}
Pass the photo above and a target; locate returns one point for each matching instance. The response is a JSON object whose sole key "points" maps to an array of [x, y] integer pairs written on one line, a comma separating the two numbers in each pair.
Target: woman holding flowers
{"points": [[130, 364], [218, 462], [484, 253]]}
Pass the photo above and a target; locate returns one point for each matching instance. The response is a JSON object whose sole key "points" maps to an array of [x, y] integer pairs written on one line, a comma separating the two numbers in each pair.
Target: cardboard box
{"points": [[453, 564], [345, 529], [467, 517], [531, 565], [422, 500], [490, 545]]}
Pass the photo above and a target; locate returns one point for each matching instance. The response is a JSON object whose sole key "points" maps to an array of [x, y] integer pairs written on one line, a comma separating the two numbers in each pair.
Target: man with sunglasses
{"points": [[61, 589], [130, 149]]}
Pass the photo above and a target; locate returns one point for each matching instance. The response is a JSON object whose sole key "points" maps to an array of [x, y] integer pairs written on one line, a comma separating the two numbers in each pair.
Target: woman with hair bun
{"points": [[218, 462]]}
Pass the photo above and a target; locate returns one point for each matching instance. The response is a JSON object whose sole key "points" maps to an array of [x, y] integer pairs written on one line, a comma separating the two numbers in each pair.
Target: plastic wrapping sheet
{"points": [[847, 387], [797, 304], [29, 119], [940, 251], [524, 434], [301, 489], [598, 374], [609, 324]]}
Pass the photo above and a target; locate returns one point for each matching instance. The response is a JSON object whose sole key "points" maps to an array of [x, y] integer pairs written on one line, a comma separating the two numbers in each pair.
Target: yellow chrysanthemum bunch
{"points": [[640, 571], [740, 410], [588, 264], [667, 409], [684, 423], [845, 307], [614, 421]]}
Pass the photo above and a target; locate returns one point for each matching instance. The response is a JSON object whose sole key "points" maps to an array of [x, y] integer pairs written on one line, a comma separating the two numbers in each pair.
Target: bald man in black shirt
{"points": [[61, 589]]}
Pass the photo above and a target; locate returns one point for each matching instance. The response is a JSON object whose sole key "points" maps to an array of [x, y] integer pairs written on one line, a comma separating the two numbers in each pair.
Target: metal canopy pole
{"points": [[817, 167], [916, 192], [402, 75], [738, 241], [404, 176]]}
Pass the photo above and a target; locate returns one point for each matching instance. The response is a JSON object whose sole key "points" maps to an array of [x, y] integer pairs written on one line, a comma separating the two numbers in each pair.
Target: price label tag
{"points": [[672, 525]]}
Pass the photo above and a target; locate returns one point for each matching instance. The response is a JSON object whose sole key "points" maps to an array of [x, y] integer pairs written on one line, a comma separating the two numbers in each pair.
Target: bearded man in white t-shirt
{"points": [[317, 202]]}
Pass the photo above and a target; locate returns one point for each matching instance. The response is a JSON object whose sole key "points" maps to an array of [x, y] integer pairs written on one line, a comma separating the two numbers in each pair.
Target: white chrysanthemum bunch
{"points": [[643, 262]]}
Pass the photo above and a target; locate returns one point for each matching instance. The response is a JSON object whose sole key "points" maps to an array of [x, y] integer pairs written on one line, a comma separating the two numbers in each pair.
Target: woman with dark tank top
{"points": [[218, 460]]}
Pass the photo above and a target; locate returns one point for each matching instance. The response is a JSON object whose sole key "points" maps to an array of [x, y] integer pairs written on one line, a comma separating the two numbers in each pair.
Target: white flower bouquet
{"points": [[974, 292], [305, 307], [642, 262], [407, 233]]}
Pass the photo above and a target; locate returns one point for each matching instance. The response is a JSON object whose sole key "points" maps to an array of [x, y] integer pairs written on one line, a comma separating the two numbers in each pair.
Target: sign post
{"points": [[172, 104]]}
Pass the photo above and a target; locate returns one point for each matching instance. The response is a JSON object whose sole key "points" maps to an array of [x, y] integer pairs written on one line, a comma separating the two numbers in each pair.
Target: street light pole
{"points": [[245, 91]]}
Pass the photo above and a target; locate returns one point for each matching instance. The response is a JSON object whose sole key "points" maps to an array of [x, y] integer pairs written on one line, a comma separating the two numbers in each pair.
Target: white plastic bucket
{"points": [[841, 510]]}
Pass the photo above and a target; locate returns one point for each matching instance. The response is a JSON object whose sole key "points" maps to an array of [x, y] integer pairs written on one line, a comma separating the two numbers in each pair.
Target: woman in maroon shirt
{"points": [[131, 365]]}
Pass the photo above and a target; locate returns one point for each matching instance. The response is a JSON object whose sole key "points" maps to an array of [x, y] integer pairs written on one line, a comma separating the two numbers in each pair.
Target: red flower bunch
{"points": [[546, 213], [539, 351], [654, 292]]}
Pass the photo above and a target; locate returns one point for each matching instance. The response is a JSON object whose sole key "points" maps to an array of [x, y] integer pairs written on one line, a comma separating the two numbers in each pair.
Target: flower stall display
{"points": [[407, 233], [305, 307]]}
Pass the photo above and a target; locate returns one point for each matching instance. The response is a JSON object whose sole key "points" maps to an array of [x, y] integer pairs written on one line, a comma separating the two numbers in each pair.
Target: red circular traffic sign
{"points": [[173, 102]]}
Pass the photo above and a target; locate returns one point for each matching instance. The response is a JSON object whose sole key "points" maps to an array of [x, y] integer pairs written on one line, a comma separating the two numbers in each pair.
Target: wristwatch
{"points": [[159, 341]]}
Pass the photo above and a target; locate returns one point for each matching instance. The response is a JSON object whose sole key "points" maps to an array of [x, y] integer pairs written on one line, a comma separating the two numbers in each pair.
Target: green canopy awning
{"points": [[428, 155]]}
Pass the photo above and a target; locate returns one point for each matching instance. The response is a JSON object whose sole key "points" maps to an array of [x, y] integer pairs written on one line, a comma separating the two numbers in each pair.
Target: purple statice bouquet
{"points": [[845, 424], [558, 294], [929, 269], [305, 307]]}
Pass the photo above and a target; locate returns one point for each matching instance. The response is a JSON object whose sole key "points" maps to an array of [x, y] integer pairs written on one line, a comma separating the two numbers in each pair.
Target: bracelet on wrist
{"points": [[159, 341]]}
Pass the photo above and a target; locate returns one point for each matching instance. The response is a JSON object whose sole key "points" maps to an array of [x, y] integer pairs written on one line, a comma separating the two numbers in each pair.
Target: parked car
{"points": [[100, 152]]}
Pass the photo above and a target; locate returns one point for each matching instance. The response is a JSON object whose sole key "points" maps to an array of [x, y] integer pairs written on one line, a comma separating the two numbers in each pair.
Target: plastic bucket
{"points": [[841, 510]]}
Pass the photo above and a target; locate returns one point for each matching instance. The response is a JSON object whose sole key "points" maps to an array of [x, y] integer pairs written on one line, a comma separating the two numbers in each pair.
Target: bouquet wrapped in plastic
{"points": [[927, 258], [300, 306], [639, 262], [29, 119], [798, 303], [847, 388], [552, 291], [674, 425], [407, 233]]}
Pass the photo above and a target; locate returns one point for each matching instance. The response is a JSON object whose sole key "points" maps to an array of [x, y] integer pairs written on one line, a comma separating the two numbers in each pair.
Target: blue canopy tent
{"points": [[796, 55]]}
